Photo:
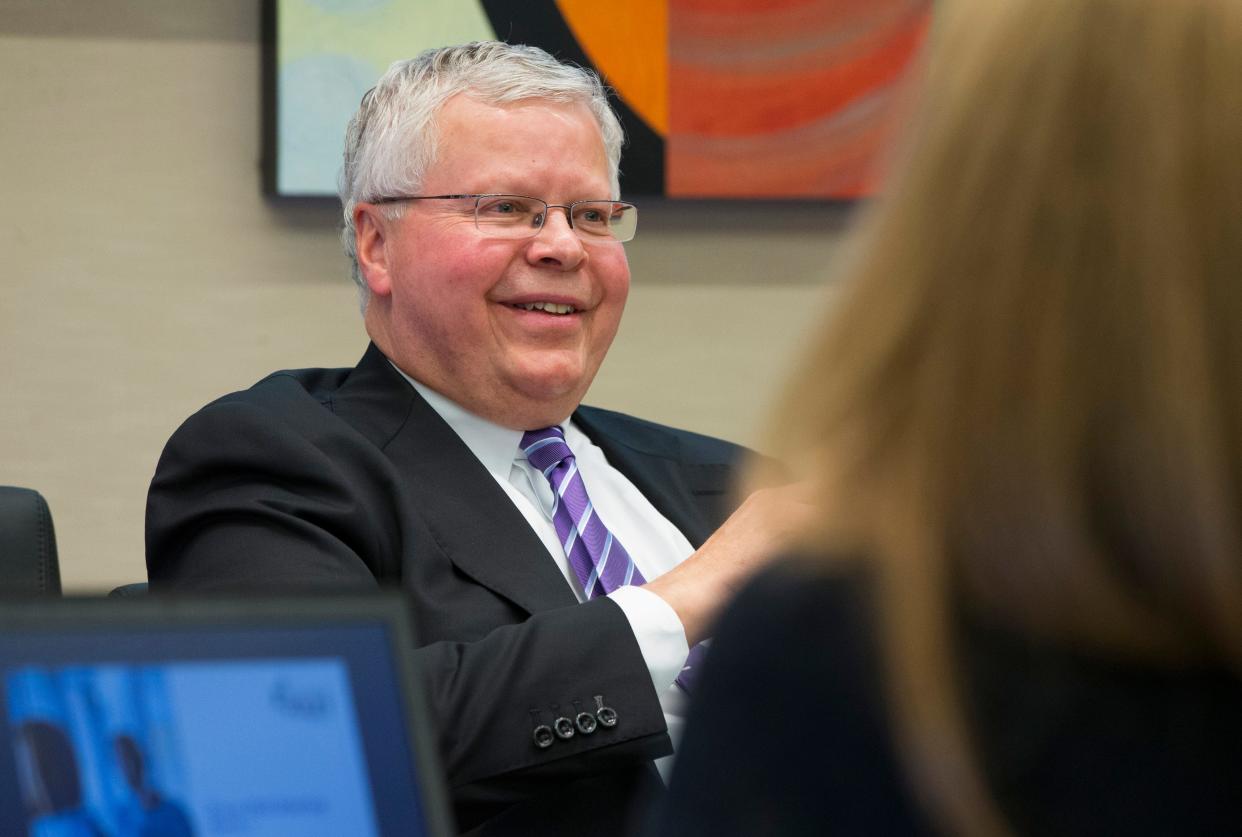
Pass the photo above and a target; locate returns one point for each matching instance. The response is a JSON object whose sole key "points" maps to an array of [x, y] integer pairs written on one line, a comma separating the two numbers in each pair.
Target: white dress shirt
{"points": [[655, 544]]}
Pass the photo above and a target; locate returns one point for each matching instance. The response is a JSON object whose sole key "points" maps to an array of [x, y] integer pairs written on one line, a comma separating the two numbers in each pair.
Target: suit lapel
{"points": [[651, 458], [470, 517]]}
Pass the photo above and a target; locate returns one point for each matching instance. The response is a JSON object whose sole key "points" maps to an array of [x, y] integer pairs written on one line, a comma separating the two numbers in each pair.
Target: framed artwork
{"points": [[720, 99]]}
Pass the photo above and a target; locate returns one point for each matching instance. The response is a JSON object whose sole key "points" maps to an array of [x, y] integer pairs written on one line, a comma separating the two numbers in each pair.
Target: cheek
{"points": [[452, 288], [616, 288], [613, 271], [470, 274]]}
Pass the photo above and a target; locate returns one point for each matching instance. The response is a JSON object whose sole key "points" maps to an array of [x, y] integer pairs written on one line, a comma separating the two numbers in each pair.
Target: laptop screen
{"points": [[213, 717]]}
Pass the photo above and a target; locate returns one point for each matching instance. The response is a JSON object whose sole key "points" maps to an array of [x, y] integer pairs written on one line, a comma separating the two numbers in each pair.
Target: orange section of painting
{"points": [[770, 101], [628, 43], [784, 98]]}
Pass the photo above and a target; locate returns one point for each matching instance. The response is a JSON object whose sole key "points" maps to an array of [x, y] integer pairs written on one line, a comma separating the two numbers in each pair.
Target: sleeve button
{"points": [[606, 715]]}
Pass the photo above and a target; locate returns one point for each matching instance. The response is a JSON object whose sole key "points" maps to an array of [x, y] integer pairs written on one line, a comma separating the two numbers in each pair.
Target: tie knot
{"points": [[545, 448]]}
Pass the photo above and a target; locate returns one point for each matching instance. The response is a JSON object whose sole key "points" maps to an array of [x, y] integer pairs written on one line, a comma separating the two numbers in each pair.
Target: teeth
{"points": [[549, 307]]}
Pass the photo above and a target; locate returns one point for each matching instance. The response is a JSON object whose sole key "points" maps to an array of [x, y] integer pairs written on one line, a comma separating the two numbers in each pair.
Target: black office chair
{"points": [[28, 561]]}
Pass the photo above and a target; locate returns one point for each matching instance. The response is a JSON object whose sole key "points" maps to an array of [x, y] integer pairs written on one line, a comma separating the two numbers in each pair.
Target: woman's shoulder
{"points": [[807, 597], [788, 728]]}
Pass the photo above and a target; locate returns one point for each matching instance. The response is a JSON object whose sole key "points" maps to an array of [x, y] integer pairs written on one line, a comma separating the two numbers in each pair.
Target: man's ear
{"points": [[371, 231]]}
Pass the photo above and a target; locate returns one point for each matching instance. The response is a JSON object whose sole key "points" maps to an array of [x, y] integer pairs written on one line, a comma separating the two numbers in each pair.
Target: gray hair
{"points": [[392, 139]]}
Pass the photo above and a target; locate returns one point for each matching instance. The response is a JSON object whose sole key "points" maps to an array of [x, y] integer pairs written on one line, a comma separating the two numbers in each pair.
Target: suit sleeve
{"points": [[240, 501], [244, 500]]}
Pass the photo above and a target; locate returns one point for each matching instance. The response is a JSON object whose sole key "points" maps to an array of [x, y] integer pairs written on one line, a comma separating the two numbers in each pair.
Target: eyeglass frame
{"points": [[569, 217]]}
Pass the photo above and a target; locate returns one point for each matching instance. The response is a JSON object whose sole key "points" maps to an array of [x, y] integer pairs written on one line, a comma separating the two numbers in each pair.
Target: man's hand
{"points": [[699, 587]]}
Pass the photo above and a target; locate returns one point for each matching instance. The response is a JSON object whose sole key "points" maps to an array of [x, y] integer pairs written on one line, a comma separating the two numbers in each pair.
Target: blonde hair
{"points": [[1028, 397]]}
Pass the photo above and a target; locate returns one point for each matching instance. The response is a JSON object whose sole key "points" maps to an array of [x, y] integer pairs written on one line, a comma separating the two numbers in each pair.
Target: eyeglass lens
{"points": [[514, 216]]}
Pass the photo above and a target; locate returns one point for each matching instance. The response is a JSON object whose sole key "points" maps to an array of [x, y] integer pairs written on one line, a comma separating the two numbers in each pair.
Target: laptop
{"points": [[210, 716]]}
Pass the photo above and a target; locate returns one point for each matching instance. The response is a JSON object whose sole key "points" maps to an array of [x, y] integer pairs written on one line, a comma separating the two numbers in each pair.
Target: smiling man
{"points": [[563, 563]]}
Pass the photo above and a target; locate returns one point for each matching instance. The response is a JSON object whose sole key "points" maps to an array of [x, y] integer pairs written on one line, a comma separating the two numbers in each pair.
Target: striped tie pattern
{"points": [[599, 560]]}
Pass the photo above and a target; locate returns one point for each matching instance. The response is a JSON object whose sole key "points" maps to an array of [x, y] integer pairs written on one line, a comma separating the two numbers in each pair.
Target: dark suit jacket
{"points": [[334, 478], [789, 731]]}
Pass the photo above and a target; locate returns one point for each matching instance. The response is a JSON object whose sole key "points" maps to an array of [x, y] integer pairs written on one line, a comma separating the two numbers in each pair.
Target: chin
{"points": [[550, 401], [553, 379]]}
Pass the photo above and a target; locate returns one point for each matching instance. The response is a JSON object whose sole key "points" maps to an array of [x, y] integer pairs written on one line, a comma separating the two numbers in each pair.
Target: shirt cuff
{"points": [[661, 637]]}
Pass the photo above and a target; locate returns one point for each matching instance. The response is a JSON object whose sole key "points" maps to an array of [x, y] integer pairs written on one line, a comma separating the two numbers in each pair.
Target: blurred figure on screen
{"points": [[1021, 612], [47, 766], [150, 813]]}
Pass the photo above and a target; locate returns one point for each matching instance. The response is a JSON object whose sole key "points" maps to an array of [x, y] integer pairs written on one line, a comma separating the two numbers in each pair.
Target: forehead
{"points": [[491, 147]]}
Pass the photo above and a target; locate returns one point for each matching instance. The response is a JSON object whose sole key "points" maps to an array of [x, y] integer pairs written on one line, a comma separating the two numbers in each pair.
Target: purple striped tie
{"points": [[599, 560]]}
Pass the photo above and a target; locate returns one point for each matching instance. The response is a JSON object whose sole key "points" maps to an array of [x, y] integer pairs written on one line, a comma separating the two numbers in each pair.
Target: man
{"points": [[428, 464], [146, 812]]}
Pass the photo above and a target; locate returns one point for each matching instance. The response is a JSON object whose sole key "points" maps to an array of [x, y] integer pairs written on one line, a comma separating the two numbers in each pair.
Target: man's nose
{"points": [[556, 242]]}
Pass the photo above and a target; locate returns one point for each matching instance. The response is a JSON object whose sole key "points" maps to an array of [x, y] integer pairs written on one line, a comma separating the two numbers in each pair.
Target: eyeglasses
{"points": [[517, 216]]}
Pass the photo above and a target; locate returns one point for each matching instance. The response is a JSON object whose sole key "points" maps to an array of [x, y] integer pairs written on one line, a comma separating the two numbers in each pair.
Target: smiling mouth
{"points": [[547, 307]]}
